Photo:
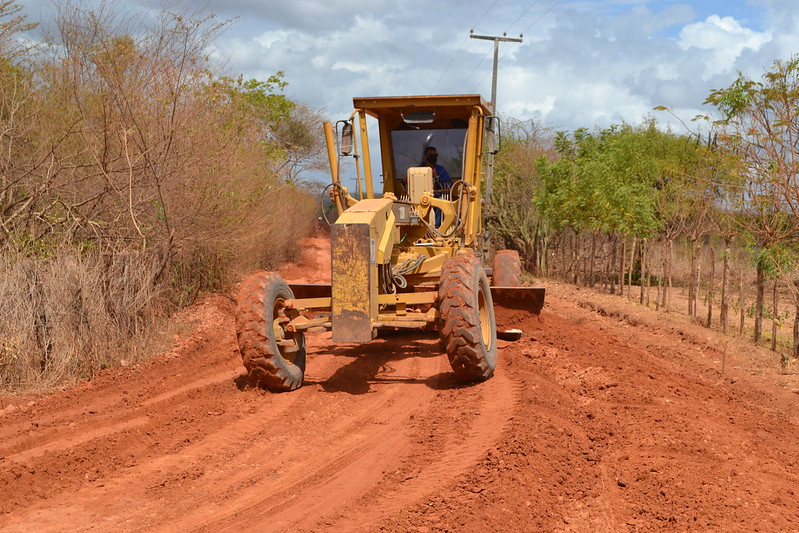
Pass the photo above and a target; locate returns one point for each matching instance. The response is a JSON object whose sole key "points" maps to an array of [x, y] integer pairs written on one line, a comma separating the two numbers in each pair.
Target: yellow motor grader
{"points": [[413, 256]]}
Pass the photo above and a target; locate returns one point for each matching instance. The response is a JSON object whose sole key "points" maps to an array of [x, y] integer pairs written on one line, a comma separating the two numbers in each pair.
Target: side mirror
{"points": [[346, 138], [494, 137]]}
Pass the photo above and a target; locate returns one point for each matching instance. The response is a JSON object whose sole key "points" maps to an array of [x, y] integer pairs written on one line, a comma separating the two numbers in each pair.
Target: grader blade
{"points": [[530, 299], [354, 279]]}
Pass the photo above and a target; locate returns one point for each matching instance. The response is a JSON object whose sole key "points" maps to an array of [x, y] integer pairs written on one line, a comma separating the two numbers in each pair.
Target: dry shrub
{"points": [[275, 238], [69, 315], [133, 178], [269, 237]]}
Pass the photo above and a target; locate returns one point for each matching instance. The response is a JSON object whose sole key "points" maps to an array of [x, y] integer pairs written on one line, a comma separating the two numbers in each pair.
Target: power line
{"points": [[520, 16], [542, 15], [441, 77], [477, 66], [484, 14], [523, 32]]}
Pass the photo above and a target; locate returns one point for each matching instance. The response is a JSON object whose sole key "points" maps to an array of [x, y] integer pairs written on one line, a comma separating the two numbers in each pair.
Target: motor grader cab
{"points": [[394, 265]]}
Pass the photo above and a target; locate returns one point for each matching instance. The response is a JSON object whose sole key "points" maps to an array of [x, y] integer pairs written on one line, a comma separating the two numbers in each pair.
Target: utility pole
{"points": [[490, 166], [497, 39]]}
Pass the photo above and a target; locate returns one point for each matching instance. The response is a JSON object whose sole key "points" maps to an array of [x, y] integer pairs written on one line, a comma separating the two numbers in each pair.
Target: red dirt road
{"points": [[590, 424]]}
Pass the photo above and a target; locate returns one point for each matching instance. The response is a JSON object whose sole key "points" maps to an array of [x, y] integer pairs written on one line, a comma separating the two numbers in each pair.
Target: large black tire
{"points": [[506, 269], [467, 326], [274, 358]]}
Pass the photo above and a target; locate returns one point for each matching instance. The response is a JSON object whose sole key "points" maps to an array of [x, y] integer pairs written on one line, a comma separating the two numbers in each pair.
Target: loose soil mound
{"points": [[589, 424]]}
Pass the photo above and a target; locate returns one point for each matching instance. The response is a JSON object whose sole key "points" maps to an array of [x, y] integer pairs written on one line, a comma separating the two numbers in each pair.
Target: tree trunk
{"points": [[660, 279], [670, 280], [546, 239], [604, 267], [588, 263], [723, 317], [630, 271], [743, 305], [698, 280], [761, 293], [643, 270], [710, 287], [648, 275], [692, 281], [622, 265], [774, 318], [796, 319], [668, 258], [591, 276], [612, 265], [575, 259]]}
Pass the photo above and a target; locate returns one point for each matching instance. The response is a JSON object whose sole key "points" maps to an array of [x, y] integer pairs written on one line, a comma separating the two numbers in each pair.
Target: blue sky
{"points": [[582, 63]]}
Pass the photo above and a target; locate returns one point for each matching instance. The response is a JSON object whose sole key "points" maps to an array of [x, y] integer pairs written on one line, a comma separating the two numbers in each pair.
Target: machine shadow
{"points": [[368, 360]]}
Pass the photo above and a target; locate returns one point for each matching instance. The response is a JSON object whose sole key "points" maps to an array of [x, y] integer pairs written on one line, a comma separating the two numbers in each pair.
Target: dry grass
{"points": [[68, 316]]}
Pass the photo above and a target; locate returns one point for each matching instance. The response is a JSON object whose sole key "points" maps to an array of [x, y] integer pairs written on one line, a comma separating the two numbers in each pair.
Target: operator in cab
{"points": [[442, 182]]}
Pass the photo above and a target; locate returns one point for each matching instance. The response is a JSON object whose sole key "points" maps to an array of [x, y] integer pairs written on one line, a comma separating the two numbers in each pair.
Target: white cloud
{"points": [[584, 63], [720, 40]]}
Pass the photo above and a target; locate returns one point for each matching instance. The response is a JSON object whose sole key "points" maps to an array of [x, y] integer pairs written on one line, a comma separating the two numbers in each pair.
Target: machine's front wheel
{"points": [[506, 269], [467, 326], [274, 358]]}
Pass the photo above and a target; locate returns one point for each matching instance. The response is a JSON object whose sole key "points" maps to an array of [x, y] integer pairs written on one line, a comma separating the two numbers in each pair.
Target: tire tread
{"points": [[459, 325], [265, 366]]}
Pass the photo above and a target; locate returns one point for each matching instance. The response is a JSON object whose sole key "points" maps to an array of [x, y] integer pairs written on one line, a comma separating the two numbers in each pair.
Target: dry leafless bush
{"points": [[70, 315], [132, 178]]}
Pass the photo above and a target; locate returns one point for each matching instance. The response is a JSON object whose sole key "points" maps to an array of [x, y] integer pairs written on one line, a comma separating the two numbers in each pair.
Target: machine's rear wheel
{"points": [[506, 269], [467, 326], [274, 358]]}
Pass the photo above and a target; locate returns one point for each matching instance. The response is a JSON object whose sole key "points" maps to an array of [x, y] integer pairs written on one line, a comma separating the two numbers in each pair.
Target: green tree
{"points": [[760, 123], [600, 184], [514, 220]]}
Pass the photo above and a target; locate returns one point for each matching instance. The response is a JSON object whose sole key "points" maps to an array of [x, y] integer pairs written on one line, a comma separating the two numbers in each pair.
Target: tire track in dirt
{"points": [[463, 448], [114, 398], [74, 430], [174, 454], [76, 440], [122, 487], [350, 458], [77, 426], [231, 461], [215, 379]]}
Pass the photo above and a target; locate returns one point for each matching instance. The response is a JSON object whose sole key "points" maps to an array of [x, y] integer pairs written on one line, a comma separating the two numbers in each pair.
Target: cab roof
{"points": [[446, 107]]}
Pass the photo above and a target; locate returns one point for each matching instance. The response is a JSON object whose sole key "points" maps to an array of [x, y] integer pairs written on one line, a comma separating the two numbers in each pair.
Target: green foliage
{"points": [[12, 23], [777, 258], [258, 100], [733, 100], [603, 181], [761, 123], [768, 313]]}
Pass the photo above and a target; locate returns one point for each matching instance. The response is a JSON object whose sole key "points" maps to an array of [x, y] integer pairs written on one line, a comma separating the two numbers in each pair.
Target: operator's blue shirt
{"points": [[441, 177]]}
